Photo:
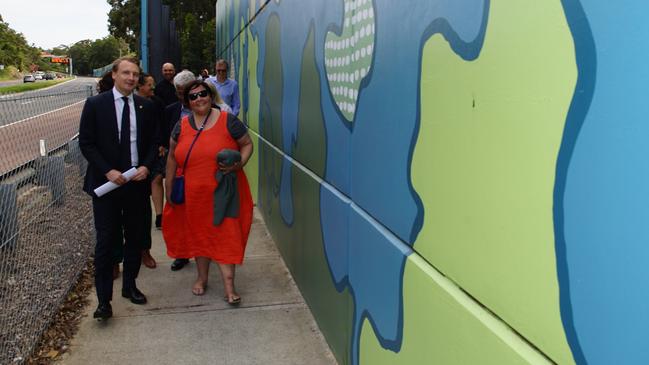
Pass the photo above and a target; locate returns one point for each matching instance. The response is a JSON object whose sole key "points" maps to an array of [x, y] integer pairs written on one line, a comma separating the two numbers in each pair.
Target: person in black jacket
{"points": [[117, 132], [165, 89], [106, 84]]}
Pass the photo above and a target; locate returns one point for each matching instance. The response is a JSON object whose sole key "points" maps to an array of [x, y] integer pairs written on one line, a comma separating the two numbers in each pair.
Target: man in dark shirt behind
{"points": [[165, 89]]}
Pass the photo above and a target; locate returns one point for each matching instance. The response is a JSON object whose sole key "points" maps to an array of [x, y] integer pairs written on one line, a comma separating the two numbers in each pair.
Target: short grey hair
{"points": [[183, 78]]}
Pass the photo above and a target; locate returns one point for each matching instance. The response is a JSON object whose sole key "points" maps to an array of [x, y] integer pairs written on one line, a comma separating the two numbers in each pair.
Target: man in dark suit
{"points": [[118, 131], [165, 88]]}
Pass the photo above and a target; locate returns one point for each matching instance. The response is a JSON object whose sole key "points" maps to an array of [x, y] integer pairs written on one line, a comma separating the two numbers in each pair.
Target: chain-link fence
{"points": [[46, 231]]}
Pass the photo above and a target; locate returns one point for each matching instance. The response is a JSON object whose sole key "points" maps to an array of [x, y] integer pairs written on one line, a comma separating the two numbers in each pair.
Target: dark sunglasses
{"points": [[194, 96], [219, 71]]}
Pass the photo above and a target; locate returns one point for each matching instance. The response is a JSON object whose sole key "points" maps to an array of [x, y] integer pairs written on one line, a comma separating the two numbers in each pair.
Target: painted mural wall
{"points": [[454, 181]]}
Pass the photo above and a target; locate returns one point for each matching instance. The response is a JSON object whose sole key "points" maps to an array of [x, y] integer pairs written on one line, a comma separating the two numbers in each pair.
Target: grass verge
{"points": [[9, 73], [30, 86]]}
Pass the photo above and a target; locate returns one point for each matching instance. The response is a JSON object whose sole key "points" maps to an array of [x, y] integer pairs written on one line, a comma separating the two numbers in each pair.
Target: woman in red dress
{"points": [[189, 229]]}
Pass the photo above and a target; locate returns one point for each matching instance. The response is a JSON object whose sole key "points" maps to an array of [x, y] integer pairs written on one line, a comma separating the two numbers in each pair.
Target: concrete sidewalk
{"points": [[273, 325]]}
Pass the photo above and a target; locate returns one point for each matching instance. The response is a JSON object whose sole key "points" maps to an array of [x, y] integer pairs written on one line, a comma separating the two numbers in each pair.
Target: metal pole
{"points": [[70, 67], [144, 36]]}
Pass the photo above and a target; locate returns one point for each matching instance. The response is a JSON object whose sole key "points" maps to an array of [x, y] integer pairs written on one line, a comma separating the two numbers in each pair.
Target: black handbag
{"points": [[177, 195]]}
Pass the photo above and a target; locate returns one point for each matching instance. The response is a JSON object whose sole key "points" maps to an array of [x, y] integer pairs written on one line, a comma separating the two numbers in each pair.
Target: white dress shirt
{"points": [[119, 108]]}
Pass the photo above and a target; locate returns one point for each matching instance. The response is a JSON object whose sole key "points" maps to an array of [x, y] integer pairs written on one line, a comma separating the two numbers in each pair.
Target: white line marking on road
{"points": [[40, 115], [4, 96]]}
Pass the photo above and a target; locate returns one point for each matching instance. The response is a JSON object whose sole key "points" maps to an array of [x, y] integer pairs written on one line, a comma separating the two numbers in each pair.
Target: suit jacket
{"points": [[166, 91], [171, 116], [99, 140]]}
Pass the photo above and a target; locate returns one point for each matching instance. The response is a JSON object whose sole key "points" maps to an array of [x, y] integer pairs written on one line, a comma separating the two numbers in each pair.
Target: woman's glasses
{"points": [[194, 96]]}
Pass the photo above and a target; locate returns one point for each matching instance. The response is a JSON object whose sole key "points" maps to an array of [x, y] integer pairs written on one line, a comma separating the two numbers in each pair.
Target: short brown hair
{"points": [[194, 84], [143, 77], [130, 59]]}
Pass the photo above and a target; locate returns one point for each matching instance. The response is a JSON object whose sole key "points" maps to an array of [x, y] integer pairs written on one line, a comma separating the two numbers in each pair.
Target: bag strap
{"points": [[191, 117]]}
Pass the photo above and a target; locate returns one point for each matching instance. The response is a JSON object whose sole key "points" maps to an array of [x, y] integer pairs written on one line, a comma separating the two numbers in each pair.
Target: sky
{"points": [[49, 23]]}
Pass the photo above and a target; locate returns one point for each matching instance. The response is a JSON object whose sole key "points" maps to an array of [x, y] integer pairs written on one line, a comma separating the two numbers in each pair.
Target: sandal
{"points": [[234, 301]]}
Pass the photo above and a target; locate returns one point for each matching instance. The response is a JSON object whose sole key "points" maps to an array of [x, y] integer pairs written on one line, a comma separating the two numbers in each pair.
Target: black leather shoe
{"points": [[179, 264], [134, 295], [103, 312]]}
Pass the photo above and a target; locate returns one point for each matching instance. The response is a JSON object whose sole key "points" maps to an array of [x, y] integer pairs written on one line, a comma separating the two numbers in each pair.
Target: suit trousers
{"points": [[118, 252], [116, 213]]}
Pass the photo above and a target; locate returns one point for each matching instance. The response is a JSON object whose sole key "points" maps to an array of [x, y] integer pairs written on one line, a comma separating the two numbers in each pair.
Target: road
{"points": [[21, 141], [50, 115], [17, 107]]}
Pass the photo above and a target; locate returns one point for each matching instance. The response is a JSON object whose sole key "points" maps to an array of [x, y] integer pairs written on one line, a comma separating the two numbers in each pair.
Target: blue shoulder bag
{"points": [[177, 195]]}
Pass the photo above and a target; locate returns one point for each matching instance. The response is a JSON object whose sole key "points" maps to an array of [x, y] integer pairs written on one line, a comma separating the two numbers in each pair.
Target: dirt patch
{"points": [[56, 338], [40, 266]]}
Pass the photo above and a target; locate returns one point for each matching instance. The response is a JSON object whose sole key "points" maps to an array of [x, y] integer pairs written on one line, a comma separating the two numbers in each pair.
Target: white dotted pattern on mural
{"points": [[348, 57]]}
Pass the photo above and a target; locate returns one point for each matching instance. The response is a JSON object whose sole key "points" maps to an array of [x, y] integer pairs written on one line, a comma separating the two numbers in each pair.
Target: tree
{"points": [[104, 51], [203, 10], [14, 49], [124, 21], [88, 55], [195, 22], [191, 40], [61, 50], [79, 52]]}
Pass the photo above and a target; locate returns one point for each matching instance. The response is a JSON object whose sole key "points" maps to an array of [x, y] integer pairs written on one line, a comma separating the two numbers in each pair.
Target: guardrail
{"points": [[45, 221]]}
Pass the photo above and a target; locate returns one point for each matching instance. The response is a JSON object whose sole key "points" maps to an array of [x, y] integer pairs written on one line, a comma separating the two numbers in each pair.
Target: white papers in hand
{"points": [[110, 186]]}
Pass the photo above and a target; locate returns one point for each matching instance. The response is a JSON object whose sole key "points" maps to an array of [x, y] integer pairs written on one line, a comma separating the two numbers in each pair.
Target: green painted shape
{"points": [[310, 149], [270, 125], [252, 115], [254, 93], [484, 165], [272, 87], [443, 325], [301, 244]]}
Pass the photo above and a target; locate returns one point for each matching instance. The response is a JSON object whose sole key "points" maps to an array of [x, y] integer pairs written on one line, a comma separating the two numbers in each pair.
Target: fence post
{"points": [[8, 215], [76, 157], [50, 172], [74, 152]]}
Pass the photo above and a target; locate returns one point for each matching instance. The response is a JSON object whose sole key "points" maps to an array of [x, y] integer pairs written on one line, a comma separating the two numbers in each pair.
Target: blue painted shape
{"points": [[602, 188], [334, 209], [375, 278], [369, 159]]}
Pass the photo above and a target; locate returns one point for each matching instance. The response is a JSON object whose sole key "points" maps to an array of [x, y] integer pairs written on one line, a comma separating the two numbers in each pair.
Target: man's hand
{"points": [[141, 173], [116, 177], [161, 151]]}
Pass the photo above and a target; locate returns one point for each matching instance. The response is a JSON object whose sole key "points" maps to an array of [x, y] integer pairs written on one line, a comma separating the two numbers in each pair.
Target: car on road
{"points": [[38, 76], [29, 78], [49, 76]]}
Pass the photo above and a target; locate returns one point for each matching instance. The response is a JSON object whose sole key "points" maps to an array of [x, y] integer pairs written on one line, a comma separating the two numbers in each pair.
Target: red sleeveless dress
{"points": [[187, 228]]}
